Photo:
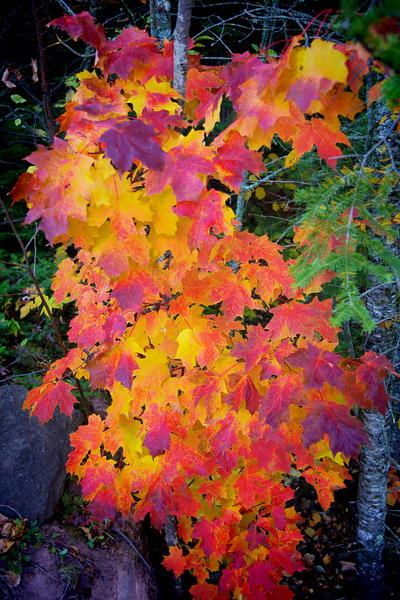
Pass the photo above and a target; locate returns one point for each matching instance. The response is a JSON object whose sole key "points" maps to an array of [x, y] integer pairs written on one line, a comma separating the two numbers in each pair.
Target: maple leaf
{"points": [[225, 434], [72, 361], [371, 373], [315, 69], [234, 293], [295, 318], [260, 575], [64, 192], [208, 387], [319, 133], [326, 477], [213, 536], [233, 158], [82, 26], [345, 432], [157, 501], [86, 438], [247, 391], [117, 364], [207, 591], [133, 288], [200, 343], [183, 165], [318, 366], [131, 140], [289, 562], [251, 487], [99, 473], [252, 349], [158, 436], [102, 506], [275, 404], [256, 537], [64, 283], [42, 400], [175, 561], [209, 212]]}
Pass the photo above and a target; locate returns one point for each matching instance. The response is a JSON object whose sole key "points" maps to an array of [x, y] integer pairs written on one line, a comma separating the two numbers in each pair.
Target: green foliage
{"points": [[27, 342], [347, 228], [23, 539]]}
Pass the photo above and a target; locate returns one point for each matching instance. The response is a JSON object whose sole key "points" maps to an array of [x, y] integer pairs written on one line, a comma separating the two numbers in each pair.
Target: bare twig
{"points": [[48, 111]]}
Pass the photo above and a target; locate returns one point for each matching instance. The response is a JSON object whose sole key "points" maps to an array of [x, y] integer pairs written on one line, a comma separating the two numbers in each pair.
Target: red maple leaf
{"points": [[251, 487], [256, 537], [133, 288], [58, 190], [260, 575], [275, 404], [225, 433], [102, 506], [326, 139], [318, 366], [175, 561], [213, 536], [158, 501], [88, 437], [42, 400], [206, 214], [158, 436], [371, 374], [114, 365], [182, 169], [131, 140], [82, 26], [233, 158], [235, 295], [295, 318], [247, 391], [345, 432], [252, 349]]}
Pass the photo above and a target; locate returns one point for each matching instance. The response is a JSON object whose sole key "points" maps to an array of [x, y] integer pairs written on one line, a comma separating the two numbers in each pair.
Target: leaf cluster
{"points": [[208, 411]]}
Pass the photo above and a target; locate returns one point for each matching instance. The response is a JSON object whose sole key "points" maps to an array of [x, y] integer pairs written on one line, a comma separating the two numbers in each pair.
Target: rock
{"points": [[111, 571], [33, 457]]}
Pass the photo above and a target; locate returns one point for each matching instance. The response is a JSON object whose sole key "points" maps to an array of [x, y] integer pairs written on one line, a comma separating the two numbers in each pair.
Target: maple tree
{"points": [[210, 411]]}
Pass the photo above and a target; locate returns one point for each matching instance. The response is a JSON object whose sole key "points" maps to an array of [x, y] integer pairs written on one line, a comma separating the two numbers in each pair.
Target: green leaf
{"points": [[17, 99]]}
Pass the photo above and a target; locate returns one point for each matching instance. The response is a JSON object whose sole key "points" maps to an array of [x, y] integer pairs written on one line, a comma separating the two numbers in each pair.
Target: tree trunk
{"points": [[375, 459], [171, 537], [181, 46], [160, 19], [371, 502]]}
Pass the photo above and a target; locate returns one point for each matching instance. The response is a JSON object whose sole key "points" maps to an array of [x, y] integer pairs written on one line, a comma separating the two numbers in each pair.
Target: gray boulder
{"points": [[32, 457]]}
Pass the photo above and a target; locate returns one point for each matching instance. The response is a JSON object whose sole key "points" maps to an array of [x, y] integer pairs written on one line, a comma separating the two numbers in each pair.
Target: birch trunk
{"points": [[181, 46], [160, 19], [375, 458], [371, 502]]}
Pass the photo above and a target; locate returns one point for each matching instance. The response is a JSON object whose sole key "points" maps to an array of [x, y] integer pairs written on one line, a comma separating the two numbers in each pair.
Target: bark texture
{"points": [[381, 302], [181, 46], [374, 466], [171, 537], [160, 19]]}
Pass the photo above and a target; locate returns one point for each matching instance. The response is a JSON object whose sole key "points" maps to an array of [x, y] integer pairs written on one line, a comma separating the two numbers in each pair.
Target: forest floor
{"points": [[71, 559]]}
